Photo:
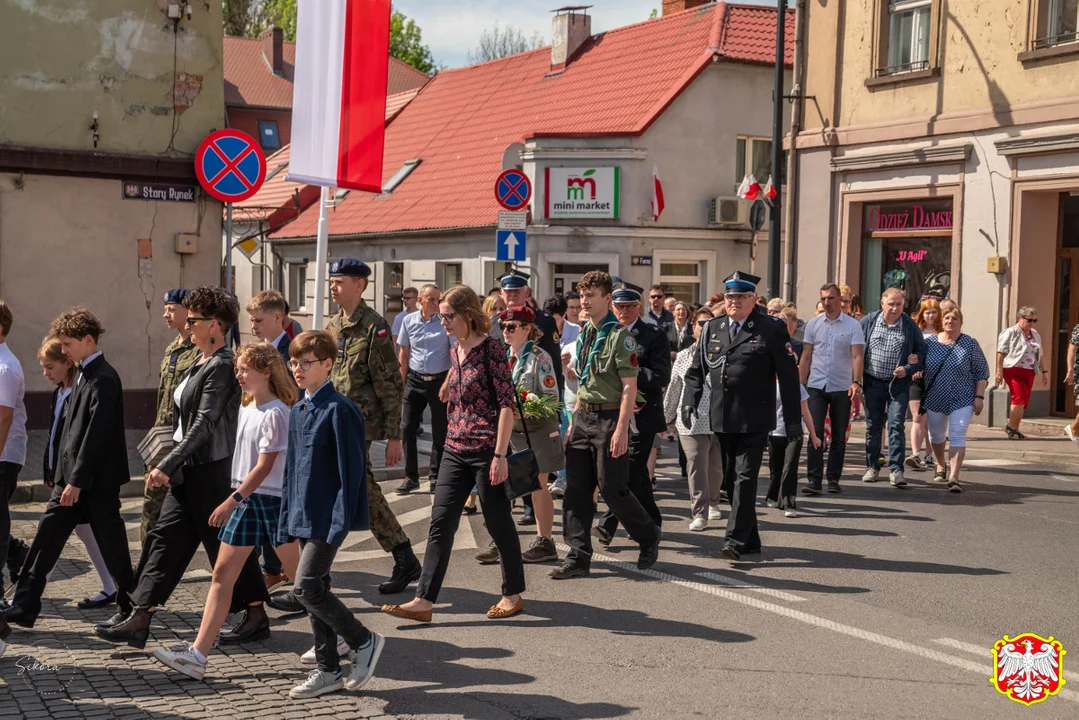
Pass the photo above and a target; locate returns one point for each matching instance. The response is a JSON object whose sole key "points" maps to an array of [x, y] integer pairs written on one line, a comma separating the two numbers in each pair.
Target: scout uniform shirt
{"points": [[366, 370], [179, 356], [604, 357]]}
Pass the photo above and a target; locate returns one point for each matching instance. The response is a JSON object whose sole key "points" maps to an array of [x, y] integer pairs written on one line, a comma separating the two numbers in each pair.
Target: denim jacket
{"points": [[913, 344], [325, 484]]}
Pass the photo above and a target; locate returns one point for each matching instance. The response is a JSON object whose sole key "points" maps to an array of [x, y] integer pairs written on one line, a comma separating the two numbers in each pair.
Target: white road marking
{"points": [[1064, 478], [995, 462], [963, 664], [465, 539], [735, 583], [984, 652]]}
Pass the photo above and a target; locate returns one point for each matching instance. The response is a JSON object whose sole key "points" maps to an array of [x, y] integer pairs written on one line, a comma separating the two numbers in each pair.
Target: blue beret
{"points": [[741, 282], [514, 280], [349, 267], [625, 292], [175, 297]]}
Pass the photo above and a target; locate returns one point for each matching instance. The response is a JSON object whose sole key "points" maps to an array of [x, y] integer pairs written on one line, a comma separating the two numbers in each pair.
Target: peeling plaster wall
{"points": [[155, 91]]}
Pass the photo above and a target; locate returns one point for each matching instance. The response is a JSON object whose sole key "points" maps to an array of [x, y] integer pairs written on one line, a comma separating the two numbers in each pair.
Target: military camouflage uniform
{"points": [[179, 356], [367, 372]]}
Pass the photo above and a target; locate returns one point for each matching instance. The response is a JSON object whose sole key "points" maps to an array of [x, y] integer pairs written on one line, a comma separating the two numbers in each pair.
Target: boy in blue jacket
{"points": [[324, 497]]}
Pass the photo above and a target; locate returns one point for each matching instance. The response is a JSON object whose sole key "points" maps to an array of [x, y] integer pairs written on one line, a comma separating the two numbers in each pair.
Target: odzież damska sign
{"points": [[913, 217], [582, 192], [134, 190]]}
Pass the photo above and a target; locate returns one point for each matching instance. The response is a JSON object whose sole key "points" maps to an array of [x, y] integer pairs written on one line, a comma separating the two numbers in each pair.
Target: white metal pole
{"points": [[320, 261], [228, 247]]}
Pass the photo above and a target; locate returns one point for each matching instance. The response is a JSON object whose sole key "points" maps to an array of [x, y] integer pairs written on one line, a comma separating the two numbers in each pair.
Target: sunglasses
{"points": [[192, 321], [656, 297], [511, 327], [1031, 320], [446, 317]]}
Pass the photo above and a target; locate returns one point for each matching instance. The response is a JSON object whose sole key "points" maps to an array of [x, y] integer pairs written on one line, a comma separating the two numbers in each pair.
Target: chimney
{"points": [[271, 49], [569, 30], [676, 6]]}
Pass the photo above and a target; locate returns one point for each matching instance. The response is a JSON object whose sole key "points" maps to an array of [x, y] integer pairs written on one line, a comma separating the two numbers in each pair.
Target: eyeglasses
{"points": [[1031, 320], [446, 317], [305, 364], [192, 321], [411, 297], [656, 297], [510, 327]]}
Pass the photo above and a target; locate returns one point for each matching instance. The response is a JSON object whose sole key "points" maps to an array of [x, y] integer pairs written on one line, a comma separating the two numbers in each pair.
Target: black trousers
{"points": [[589, 465], [184, 523], [329, 616], [457, 475], [741, 454], [783, 457], [9, 480], [835, 405], [419, 394], [101, 510], [640, 484]]}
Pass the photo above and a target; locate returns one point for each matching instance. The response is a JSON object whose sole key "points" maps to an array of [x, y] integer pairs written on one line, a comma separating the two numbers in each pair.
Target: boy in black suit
{"points": [[89, 470]]}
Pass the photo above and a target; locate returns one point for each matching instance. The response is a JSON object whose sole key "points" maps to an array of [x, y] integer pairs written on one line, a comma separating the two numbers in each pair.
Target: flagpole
{"points": [[318, 315], [228, 247]]}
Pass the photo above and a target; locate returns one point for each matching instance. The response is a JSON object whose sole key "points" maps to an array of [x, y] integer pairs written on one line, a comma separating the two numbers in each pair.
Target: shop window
{"points": [[907, 246], [566, 275], [452, 274], [268, 136], [1057, 23], [297, 287], [753, 156], [906, 36], [681, 280]]}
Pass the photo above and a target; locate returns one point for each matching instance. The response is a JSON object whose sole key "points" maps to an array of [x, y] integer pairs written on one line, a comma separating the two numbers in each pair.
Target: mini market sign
{"points": [[575, 193]]}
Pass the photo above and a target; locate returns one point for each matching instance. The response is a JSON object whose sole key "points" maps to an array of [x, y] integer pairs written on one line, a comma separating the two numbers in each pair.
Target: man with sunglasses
{"points": [[653, 375], [658, 314], [179, 356], [743, 355]]}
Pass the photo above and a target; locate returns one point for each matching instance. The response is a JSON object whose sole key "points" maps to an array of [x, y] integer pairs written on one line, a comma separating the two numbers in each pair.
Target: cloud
{"points": [[452, 29]]}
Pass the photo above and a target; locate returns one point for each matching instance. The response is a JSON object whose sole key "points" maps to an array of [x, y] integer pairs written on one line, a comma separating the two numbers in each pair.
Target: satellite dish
{"points": [[512, 157]]}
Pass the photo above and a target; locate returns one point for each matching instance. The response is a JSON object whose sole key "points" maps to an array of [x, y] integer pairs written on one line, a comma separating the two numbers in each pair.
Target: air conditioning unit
{"points": [[728, 211]]}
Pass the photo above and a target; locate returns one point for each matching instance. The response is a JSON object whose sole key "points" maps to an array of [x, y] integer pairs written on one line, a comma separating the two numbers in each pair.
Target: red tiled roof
{"points": [[396, 103], [461, 123], [249, 81], [749, 35]]}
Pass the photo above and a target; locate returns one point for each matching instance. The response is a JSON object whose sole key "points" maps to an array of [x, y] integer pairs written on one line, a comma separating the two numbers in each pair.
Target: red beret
{"points": [[520, 313]]}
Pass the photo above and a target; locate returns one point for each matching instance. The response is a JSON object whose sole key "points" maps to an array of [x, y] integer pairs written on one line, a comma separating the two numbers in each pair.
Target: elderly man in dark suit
{"points": [[91, 467], [744, 353]]}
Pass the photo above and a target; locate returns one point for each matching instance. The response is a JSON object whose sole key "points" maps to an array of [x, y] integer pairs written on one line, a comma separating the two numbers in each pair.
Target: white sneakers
{"points": [[1071, 434], [181, 658], [714, 513], [871, 475], [364, 659], [308, 658], [698, 524], [896, 478]]}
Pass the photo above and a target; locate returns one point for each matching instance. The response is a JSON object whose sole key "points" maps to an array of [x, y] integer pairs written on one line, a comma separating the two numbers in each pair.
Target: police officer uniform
{"points": [[742, 361], [179, 356], [517, 280], [606, 354], [366, 371], [653, 376]]}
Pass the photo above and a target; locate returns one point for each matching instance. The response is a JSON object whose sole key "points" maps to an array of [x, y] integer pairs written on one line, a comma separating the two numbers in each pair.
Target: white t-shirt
{"points": [[781, 423], [12, 391], [261, 429], [178, 436], [569, 396]]}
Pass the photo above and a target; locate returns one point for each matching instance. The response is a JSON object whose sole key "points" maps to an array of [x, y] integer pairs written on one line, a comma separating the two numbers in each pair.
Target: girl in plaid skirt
{"points": [[249, 517]]}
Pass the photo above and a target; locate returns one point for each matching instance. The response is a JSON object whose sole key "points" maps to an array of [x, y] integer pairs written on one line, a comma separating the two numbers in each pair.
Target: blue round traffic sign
{"points": [[513, 189], [230, 165]]}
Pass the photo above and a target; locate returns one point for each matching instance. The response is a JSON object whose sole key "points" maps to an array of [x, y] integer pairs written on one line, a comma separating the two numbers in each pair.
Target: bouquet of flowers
{"points": [[537, 407]]}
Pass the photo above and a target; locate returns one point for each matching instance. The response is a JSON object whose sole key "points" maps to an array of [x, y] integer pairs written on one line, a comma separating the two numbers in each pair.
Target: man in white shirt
{"points": [[12, 445], [831, 369]]}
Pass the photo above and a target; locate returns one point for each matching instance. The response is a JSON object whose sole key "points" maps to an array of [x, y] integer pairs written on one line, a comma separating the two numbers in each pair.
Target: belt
{"points": [[428, 378], [600, 407]]}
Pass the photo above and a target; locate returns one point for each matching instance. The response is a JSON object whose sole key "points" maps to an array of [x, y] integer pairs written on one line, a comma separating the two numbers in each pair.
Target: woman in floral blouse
{"points": [[479, 396]]}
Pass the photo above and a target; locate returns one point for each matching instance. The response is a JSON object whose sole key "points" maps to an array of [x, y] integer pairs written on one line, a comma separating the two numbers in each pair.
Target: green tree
{"points": [[406, 43], [279, 13], [654, 15], [242, 17]]}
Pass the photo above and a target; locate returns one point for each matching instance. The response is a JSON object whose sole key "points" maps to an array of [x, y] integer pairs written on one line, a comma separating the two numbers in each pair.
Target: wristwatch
{"points": [[237, 497], [503, 456]]}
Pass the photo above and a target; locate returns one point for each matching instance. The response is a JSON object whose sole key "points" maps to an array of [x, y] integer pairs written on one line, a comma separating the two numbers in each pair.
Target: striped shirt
{"points": [[885, 343]]}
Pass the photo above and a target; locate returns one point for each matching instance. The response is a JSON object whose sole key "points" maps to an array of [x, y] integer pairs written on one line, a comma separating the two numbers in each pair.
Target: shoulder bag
{"points": [[523, 476], [928, 381]]}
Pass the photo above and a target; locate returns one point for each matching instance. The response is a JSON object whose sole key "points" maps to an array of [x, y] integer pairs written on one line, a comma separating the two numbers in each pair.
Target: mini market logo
{"points": [[1028, 668], [576, 186], [583, 192]]}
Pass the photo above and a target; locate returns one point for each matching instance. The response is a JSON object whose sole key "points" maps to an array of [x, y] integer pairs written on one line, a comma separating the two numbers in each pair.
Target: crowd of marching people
{"points": [[261, 454]]}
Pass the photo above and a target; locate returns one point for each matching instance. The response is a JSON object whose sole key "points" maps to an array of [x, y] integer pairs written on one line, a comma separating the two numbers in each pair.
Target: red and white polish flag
{"points": [[750, 189], [339, 93], [770, 191], [657, 194]]}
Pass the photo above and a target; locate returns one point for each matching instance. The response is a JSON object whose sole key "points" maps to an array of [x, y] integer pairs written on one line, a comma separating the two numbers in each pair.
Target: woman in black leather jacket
{"points": [[198, 474]]}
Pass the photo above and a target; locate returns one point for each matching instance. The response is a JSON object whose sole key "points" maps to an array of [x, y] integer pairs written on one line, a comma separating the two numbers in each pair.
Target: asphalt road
{"points": [[876, 603]]}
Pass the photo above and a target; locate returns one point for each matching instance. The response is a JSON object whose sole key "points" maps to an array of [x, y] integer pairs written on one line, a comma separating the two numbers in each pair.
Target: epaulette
{"points": [[536, 350]]}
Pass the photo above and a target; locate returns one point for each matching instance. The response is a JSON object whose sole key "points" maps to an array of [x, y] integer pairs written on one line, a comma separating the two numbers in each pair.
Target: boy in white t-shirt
{"points": [[783, 456], [12, 445]]}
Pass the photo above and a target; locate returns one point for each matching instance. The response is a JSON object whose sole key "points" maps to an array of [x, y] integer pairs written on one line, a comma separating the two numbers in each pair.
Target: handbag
{"points": [[929, 383], [523, 476], [156, 446]]}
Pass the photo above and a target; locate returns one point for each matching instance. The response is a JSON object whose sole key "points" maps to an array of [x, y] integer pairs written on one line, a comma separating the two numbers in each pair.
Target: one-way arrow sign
{"points": [[511, 245]]}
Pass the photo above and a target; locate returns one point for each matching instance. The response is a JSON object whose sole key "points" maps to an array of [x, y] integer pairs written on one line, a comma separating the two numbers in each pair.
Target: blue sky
{"points": [[452, 28]]}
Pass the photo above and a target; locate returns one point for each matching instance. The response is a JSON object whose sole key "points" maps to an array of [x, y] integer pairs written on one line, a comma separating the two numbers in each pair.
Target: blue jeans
{"points": [[877, 403], [563, 426]]}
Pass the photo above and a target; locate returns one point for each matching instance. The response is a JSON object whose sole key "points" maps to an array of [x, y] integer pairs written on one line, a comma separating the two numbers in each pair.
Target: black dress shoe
{"points": [[730, 553], [649, 555], [94, 604], [602, 535], [527, 518], [134, 631], [286, 602], [116, 619], [406, 570], [811, 490], [567, 570], [15, 615], [253, 626], [407, 486]]}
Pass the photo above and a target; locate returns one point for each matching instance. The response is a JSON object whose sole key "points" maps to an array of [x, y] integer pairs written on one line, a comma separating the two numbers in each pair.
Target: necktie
{"points": [[734, 329]]}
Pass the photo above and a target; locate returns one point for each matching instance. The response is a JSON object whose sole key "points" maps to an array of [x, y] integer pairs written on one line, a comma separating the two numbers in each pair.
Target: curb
{"points": [[1033, 456]]}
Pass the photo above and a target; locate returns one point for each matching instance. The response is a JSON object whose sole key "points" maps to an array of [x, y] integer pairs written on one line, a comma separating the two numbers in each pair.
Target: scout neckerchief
{"points": [[584, 368], [519, 364]]}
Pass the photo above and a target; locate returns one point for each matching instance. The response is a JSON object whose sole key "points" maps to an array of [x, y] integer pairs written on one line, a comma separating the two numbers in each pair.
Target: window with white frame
{"points": [[452, 275], [681, 280], [297, 287], [909, 26], [1058, 23]]}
